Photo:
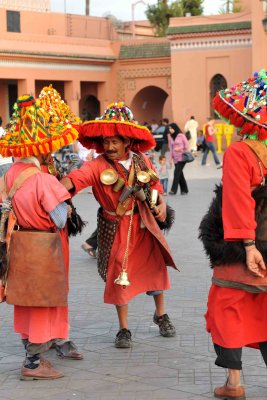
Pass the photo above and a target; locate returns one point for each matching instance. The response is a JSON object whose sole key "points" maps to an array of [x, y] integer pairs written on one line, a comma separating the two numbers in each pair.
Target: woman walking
{"points": [[178, 144]]}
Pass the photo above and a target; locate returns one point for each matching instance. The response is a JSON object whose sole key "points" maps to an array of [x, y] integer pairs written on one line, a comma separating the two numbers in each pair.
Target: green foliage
{"points": [[194, 7], [159, 14]]}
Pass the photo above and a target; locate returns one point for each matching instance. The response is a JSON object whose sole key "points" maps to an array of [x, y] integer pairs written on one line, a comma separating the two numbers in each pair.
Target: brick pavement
{"points": [[180, 368]]}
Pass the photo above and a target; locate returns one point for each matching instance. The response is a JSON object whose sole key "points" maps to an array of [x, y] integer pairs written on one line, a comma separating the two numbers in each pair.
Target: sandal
{"points": [[90, 250], [92, 253], [68, 350]]}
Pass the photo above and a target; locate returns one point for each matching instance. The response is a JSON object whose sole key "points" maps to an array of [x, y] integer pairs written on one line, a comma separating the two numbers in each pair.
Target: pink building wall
{"points": [[82, 57]]}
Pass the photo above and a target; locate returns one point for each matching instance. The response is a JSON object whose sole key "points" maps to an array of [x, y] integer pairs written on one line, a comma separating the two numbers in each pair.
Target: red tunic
{"points": [[236, 318], [149, 253], [38, 196]]}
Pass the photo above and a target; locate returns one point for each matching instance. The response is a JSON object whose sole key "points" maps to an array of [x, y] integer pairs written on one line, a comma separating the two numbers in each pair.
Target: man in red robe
{"points": [[39, 204], [137, 259], [236, 315]]}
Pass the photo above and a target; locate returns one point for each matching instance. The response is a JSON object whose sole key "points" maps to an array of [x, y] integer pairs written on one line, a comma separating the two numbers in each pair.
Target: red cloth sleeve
{"points": [[238, 206], [50, 191], [85, 176]]}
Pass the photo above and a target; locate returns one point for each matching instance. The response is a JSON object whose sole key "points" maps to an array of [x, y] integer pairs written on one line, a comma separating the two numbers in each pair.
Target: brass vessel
{"points": [[154, 177], [143, 176], [108, 176]]}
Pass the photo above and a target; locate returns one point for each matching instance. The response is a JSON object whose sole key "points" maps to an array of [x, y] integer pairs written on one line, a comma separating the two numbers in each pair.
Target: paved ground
{"points": [[180, 368]]}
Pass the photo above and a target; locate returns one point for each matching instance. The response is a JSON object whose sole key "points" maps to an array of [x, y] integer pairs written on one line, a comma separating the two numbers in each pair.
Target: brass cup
{"points": [[143, 176], [108, 176], [154, 177], [119, 184]]}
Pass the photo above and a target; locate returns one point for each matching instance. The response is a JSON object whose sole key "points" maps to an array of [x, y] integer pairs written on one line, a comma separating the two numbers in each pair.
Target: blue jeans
{"points": [[164, 183], [210, 147]]}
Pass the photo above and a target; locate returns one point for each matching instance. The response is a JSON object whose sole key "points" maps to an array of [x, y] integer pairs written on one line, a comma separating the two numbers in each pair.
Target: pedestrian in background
{"points": [[178, 144], [210, 146], [165, 146], [191, 126], [162, 169]]}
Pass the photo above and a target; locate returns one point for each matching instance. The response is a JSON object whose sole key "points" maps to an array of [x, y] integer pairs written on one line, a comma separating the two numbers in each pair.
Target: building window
{"points": [[218, 82], [13, 21]]}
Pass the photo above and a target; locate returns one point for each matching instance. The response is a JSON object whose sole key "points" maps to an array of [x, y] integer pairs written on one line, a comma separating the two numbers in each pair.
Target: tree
{"points": [[194, 7], [230, 6], [159, 14]]}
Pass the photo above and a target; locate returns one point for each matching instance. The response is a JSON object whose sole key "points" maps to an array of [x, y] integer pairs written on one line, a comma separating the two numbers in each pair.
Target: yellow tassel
{"points": [[41, 149], [35, 150], [47, 148]]}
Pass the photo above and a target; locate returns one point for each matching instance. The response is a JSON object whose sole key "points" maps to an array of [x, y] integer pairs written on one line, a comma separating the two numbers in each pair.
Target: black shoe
{"points": [[166, 328], [123, 339], [171, 192]]}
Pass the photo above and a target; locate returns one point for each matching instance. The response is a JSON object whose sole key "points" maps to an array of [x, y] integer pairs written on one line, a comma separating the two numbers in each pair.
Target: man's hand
{"points": [[161, 210], [255, 261]]}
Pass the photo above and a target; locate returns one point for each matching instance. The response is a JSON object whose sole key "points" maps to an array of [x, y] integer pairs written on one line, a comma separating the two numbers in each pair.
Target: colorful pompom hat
{"points": [[245, 106], [117, 120], [32, 131], [58, 109]]}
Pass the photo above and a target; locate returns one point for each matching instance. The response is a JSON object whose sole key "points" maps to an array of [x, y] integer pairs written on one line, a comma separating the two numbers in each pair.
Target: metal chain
{"points": [[126, 254]]}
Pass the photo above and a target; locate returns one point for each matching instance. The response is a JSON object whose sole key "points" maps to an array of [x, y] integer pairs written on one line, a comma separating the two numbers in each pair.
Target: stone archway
{"points": [[89, 108], [149, 104], [218, 82]]}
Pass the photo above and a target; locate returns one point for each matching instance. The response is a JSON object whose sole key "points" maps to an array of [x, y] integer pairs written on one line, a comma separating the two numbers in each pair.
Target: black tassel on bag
{"points": [[74, 222]]}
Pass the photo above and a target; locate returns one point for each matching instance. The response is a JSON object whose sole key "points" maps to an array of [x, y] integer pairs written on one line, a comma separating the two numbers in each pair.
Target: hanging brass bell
{"points": [[122, 279]]}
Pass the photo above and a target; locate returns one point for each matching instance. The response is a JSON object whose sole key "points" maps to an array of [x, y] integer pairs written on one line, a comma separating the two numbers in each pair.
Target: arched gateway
{"points": [[150, 104]]}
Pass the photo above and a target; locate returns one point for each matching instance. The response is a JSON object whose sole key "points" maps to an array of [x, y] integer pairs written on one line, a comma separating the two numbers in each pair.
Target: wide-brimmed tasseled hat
{"points": [[117, 120], [58, 109], [32, 131], [245, 106]]}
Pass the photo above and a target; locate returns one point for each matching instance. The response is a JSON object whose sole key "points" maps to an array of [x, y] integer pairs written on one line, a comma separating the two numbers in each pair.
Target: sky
{"points": [[121, 9]]}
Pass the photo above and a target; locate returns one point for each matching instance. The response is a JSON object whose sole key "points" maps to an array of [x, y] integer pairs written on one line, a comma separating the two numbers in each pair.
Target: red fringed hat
{"points": [[32, 130], [117, 120], [245, 106]]}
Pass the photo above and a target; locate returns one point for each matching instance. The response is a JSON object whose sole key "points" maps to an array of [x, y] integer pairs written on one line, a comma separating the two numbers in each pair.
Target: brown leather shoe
{"points": [[225, 392], [43, 371]]}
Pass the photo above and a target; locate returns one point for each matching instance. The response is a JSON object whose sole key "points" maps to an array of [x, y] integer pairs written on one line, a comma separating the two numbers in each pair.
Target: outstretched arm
{"points": [[67, 183]]}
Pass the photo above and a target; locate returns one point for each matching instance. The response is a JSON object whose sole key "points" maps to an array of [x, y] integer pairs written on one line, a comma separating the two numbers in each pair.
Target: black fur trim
{"points": [[217, 249]]}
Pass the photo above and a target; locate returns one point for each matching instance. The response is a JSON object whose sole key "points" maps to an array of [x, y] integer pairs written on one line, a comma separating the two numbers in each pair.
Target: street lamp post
{"points": [[133, 7]]}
